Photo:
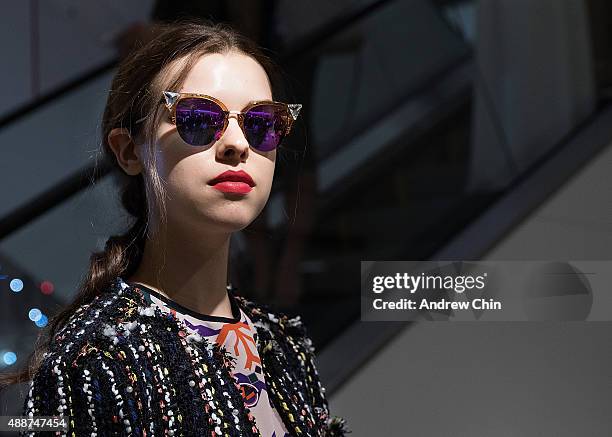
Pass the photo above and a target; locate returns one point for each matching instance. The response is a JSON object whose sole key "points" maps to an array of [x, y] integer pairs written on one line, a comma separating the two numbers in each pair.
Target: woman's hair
{"points": [[134, 102]]}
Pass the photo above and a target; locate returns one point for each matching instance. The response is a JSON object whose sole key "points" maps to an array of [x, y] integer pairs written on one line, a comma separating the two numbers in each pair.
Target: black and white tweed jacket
{"points": [[120, 366]]}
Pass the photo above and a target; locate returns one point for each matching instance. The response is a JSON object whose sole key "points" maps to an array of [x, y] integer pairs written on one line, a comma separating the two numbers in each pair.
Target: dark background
{"points": [[431, 129]]}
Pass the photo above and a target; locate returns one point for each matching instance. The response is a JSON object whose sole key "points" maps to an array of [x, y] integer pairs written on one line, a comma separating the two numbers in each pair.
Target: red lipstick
{"points": [[238, 182]]}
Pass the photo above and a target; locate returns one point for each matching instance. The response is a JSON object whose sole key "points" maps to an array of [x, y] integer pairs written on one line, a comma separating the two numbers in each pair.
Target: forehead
{"points": [[234, 78]]}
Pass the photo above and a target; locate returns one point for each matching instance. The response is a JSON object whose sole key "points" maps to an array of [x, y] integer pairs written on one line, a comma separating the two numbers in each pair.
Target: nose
{"points": [[233, 145]]}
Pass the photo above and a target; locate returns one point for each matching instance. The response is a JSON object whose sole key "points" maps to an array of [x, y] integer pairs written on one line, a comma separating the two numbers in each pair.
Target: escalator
{"points": [[391, 131]]}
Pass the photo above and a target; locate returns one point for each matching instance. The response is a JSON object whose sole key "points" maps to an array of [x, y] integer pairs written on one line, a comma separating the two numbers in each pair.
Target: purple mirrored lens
{"points": [[199, 121], [265, 126]]}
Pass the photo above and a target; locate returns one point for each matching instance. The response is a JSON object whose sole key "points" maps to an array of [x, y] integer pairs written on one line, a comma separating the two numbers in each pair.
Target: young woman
{"points": [[157, 342]]}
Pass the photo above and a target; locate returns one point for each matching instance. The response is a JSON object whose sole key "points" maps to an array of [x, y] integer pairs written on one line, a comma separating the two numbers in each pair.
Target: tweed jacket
{"points": [[121, 366]]}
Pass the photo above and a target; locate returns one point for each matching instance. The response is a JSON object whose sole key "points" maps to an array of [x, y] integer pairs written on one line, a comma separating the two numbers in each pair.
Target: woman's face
{"points": [[186, 170]]}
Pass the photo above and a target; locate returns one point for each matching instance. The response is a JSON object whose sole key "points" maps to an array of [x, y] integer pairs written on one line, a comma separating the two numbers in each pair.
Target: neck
{"points": [[189, 270]]}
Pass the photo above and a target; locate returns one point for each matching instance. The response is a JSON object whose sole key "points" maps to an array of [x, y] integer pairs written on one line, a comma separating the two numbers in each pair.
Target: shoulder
{"points": [[121, 310], [267, 313], [95, 352], [279, 324], [95, 326], [283, 339]]}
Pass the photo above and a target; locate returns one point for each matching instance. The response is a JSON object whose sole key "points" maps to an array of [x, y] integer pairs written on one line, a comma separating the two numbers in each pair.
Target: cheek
{"points": [[265, 176], [181, 174], [189, 197], [169, 156], [185, 179]]}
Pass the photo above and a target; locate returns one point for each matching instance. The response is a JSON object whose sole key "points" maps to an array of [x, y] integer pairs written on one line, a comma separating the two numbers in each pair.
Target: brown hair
{"points": [[135, 96]]}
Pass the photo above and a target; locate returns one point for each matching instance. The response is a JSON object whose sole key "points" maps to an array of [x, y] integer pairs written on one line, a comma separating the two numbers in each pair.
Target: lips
{"points": [[233, 176], [236, 182]]}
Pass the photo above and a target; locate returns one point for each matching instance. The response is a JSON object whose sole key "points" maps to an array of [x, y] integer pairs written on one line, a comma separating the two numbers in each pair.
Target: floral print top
{"points": [[238, 336]]}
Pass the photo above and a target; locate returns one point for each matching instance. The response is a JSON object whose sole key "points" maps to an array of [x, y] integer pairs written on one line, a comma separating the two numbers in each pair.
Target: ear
{"points": [[126, 151]]}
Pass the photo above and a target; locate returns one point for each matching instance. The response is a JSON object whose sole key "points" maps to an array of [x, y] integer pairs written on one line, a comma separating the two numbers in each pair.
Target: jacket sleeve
{"points": [[333, 426], [83, 391]]}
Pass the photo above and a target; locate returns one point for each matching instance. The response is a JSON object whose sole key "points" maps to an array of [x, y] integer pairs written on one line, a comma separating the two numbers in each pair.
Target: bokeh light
{"points": [[46, 287], [9, 358], [34, 314], [42, 322], [16, 285]]}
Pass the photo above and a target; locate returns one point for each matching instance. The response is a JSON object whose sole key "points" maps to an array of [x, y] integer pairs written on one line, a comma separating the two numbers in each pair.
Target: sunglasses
{"points": [[201, 119]]}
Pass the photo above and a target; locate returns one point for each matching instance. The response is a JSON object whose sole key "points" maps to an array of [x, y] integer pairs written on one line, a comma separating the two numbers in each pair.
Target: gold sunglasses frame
{"points": [[172, 99]]}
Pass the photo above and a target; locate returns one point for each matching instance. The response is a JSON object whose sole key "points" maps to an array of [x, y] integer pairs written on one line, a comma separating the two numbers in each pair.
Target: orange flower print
{"points": [[242, 338]]}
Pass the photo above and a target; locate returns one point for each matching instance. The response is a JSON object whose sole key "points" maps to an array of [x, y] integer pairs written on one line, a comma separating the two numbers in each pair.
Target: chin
{"points": [[231, 222], [232, 226]]}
